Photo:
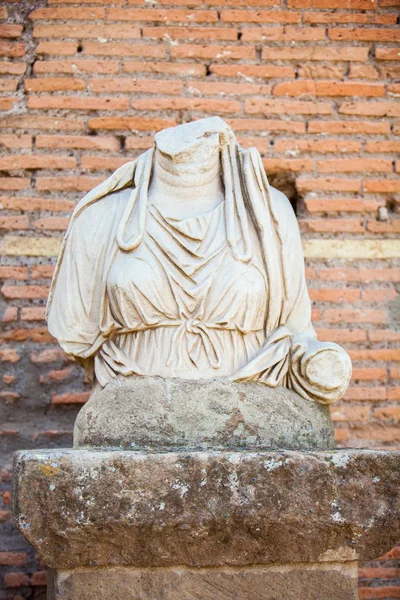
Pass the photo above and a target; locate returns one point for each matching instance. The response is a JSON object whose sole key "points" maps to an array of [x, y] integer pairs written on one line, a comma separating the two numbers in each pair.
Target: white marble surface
{"points": [[185, 263]]}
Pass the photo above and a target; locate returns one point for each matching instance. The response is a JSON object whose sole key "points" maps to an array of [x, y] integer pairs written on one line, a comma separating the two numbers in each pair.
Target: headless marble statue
{"points": [[186, 264]]}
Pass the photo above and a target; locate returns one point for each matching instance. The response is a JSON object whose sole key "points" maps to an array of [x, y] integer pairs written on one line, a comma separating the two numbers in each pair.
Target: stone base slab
{"points": [[328, 581], [86, 508]]}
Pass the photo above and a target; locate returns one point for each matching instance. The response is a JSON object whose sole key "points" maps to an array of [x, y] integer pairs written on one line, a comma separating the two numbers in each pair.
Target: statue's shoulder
{"points": [[280, 203], [106, 196], [283, 211]]}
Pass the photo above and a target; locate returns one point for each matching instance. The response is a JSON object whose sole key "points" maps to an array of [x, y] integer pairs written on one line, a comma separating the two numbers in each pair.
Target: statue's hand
{"points": [[324, 365]]}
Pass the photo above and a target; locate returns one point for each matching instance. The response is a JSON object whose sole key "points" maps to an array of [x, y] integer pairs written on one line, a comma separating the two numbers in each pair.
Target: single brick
{"points": [[383, 186], [87, 31], [269, 105], [53, 223], [321, 146], [383, 335], [33, 203], [73, 67], [56, 375], [14, 183], [365, 394], [33, 313], [86, 142], [363, 72], [333, 225], [71, 398], [310, 184], [77, 102], [222, 88], [261, 34], [16, 559], [39, 578], [10, 314], [47, 356], [12, 68], [362, 275], [371, 109], [334, 295], [276, 165], [90, 163], [200, 104], [375, 355], [54, 84], [213, 52], [379, 573], [245, 71], [266, 125], [131, 123], [351, 18], [24, 291], [57, 48], [387, 53], [11, 272], [163, 16], [9, 355], [365, 34], [12, 49], [321, 71], [367, 374], [382, 146], [14, 222], [65, 14], [350, 413], [350, 53], [337, 4], [342, 336], [14, 580], [384, 226], [183, 69], [45, 161], [42, 271], [354, 165], [260, 16], [328, 88], [191, 33], [124, 49], [152, 86], [15, 141], [349, 127], [38, 123]]}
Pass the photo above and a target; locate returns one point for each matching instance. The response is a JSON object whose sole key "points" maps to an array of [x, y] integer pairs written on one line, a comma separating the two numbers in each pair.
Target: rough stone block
{"points": [[85, 508], [145, 413]]}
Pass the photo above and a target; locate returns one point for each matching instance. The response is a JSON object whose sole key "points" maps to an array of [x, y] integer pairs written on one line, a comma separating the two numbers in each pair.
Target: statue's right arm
{"points": [[77, 309]]}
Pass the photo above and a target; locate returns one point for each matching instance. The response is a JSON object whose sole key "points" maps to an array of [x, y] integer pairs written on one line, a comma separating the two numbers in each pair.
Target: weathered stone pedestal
{"points": [[174, 518], [121, 525]]}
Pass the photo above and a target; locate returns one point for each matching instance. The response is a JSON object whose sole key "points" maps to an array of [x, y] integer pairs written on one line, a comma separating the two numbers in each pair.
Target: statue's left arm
{"points": [[317, 370], [291, 356]]}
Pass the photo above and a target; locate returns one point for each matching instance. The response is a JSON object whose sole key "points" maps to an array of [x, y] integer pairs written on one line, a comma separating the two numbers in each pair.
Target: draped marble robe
{"points": [[91, 323]]}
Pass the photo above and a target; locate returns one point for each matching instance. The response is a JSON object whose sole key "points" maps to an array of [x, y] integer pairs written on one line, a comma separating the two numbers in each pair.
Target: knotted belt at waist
{"points": [[211, 343], [191, 325]]}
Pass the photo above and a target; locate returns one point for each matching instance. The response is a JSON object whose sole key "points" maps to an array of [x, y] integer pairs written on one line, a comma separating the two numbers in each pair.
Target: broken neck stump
{"points": [[203, 463]]}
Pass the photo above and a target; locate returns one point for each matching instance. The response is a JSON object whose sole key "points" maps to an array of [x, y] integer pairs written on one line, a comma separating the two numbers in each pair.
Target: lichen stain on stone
{"points": [[272, 464], [340, 459], [49, 470]]}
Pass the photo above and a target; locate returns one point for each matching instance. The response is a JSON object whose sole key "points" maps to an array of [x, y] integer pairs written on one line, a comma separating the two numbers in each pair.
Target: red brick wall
{"points": [[313, 84]]}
